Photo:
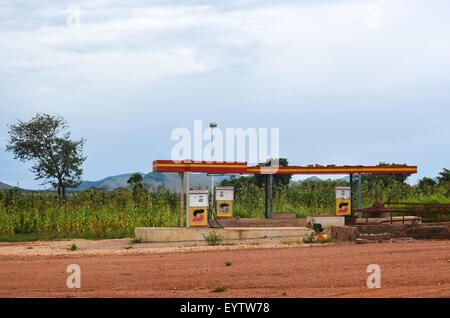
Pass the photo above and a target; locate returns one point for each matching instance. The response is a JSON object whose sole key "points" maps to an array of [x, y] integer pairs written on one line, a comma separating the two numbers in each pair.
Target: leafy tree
{"points": [[278, 179], [260, 179], [45, 140], [135, 181], [385, 179], [426, 182], [444, 176], [238, 183]]}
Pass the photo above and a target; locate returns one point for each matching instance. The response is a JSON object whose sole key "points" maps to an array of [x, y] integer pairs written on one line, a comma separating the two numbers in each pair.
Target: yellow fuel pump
{"points": [[224, 201], [343, 201]]}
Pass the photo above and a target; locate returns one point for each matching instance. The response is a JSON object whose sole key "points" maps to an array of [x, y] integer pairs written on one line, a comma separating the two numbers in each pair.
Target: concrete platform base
{"points": [[171, 234], [325, 221]]}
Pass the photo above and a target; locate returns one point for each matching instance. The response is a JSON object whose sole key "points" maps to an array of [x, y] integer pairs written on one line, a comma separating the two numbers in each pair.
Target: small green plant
{"points": [[286, 242], [310, 239], [228, 244], [219, 289], [128, 247], [30, 247], [135, 241], [213, 239], [228, 263], [73, 248]]}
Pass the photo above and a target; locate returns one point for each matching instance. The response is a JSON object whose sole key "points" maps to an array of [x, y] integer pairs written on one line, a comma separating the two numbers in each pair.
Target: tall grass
{"points": [[318, 197], [88, 213], [94, 214]]}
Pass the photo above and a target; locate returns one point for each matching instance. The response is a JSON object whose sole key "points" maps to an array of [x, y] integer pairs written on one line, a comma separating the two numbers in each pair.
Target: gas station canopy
{"points": [[242, 168], [231, 168]]}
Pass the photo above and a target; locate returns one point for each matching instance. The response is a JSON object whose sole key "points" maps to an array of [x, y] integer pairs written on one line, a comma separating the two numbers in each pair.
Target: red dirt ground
{"points": [[408, 269]]}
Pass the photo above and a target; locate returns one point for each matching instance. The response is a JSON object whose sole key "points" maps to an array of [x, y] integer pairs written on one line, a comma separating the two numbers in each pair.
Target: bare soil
{"points": [[262, 268]]}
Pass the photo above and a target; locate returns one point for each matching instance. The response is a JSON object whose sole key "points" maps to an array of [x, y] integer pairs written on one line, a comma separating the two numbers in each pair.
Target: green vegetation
{"points": [[135, 181], [228, 263], [313, 239], [213, 239], [444, 176], [90, 214], [318, 197], [45, 141], [87, 214], [310, 239], [219, 289], [73, 248]]}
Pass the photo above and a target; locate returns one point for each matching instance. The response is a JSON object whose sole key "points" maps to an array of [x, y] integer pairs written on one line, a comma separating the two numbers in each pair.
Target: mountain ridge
{"points": [[151, 180]]}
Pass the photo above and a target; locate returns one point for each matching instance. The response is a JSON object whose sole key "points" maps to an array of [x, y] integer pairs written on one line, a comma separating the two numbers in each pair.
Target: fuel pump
{"points": [[343, 201], [224, 201], [198, 208]]}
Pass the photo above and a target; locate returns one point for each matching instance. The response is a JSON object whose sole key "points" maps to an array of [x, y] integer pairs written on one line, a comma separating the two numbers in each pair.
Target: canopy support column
{"points": [[351, 195], [266, 198], [359, 195], [271, 196], [188, 190], [181, 198]]}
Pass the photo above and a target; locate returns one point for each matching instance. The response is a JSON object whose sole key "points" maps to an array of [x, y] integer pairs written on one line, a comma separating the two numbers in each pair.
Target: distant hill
{"points": [[4, 186], [314, 178], [153, 179]]}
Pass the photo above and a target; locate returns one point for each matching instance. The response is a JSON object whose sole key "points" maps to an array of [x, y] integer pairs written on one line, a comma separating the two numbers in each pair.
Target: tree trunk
{"points": [[64, 193]]}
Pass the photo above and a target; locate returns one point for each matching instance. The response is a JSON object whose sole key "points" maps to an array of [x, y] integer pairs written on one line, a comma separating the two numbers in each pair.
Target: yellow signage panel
{"points": [[198, 216], [343, 207], [225, 208]]}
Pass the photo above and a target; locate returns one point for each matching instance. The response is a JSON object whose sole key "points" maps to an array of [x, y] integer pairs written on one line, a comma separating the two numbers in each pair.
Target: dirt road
{"points": [[408, 269]]}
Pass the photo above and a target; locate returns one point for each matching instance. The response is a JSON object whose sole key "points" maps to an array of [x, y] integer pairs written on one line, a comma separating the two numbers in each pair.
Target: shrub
{"points": [[213, 239], [310, 239], [73, 248], [219, 289]]}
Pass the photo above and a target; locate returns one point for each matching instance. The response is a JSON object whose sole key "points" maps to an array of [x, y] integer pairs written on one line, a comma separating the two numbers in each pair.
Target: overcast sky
{"points": [[346, 82]]}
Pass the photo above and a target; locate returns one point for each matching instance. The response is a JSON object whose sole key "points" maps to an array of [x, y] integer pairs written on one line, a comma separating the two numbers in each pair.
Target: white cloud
{"points": [[166, 61], [306, 46]]}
